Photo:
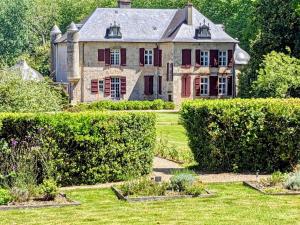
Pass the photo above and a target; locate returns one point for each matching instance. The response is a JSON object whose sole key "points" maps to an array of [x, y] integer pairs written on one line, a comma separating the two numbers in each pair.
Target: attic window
{"points": [[203, 32], [114, 31]]}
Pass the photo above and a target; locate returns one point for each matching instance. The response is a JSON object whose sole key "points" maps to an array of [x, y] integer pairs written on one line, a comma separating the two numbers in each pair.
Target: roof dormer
{"points": [[114, 31], [203, 31]]}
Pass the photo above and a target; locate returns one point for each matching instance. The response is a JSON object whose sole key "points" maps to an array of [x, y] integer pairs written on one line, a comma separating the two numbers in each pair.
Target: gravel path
{"points": [[164, 168]]}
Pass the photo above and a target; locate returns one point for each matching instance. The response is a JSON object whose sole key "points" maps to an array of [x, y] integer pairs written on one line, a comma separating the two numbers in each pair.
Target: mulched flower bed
{"points": [[270, 190], [60, 201], [169, 195]]}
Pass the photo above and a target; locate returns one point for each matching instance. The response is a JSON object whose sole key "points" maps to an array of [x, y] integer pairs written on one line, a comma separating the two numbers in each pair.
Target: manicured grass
{"points": [[234, 204], [167, 118]]}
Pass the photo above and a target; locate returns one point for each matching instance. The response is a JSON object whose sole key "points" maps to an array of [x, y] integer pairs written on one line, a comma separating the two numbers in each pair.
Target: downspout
{"points": [[233, 73]]}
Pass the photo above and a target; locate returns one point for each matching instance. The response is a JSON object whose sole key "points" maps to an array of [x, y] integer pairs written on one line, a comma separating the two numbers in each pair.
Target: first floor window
{"points": [[101, 86], [204, 86], [115, 88], [204, 58], [222, 85], [222, 58], [115, 56], [148, 57]]}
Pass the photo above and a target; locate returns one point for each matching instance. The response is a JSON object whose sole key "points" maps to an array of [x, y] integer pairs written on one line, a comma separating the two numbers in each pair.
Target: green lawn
{"points": [[172, 140], [234, 204]]}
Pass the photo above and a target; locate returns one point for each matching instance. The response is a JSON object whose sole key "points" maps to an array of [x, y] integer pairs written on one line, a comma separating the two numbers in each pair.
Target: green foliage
{"points": [[279, 77], [181, 181], [83, 148], [293, 181], [18, 95], [5, 196], [144, 187], [244, 135], [276, 179], [123, 105], [196, 189], [49, 189]]}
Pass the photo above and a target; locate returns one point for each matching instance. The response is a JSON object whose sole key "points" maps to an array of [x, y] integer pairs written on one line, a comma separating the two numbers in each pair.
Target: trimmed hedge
{"points": [[123, 105], [84, 148], [244, 135]]}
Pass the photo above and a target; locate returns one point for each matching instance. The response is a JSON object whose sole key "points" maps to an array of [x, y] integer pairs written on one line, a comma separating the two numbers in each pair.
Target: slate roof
{"points": [[147, 25]]}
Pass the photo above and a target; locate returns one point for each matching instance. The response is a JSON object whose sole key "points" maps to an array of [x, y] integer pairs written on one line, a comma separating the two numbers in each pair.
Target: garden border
{"points": [[157, 198], [249, 184]]}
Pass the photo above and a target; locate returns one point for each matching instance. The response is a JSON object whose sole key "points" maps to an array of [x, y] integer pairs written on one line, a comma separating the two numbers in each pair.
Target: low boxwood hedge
{"points": [[123, 105], [244, 135], [80, 148]]}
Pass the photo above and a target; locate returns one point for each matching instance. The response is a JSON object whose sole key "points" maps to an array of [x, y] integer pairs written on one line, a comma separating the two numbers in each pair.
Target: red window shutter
{"points": [[107, 87], [142, 56], [156, 57], [230, 58], [123, 56], [94, 86], [160, 85], [123, 85], [186, 57], [183, 85], [101, 55], [214, 58], [151, 85], [229, 86], [213, 85], [197, 86], [171, 71], [146, 85], [168, 71], [107, 57], [188, 86], [159, 57], [197, 57]]}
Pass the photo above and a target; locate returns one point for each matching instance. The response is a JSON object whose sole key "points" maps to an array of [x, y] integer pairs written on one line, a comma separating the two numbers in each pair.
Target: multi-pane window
{"points": [[101, 86], [115, 57], [222, 58], [204, 86], [222, 85], [204, 58], [148, 57], [115, 88]]}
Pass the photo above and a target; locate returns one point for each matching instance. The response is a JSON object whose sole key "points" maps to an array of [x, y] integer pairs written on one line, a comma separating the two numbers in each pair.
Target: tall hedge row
{"points": [[82, 148], [157, 104], [244, 135]]}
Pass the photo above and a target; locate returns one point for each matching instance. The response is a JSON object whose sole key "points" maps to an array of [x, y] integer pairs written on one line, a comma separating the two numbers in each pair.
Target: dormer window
{"points": [[114, 31], [203, 31]]}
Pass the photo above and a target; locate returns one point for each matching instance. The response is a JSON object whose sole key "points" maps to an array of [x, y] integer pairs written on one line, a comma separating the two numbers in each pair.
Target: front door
{"points": [[115, 88]]}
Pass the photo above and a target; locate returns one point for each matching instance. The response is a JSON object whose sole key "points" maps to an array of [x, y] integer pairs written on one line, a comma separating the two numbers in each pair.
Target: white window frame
{"points": [[101, 86], [115, 57], [204, 84], [223, 58], [115, 88], [148, 57], [204, 58], [222, 85]]}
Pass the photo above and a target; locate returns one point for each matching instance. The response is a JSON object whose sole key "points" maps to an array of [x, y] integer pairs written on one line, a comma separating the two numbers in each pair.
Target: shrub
{"points": [[181, 181], [83, 148], [293, 181], [195, 189], [144, 187], [276, 178], [244, 135], [5, 196], [49, 189], [123, 105]]}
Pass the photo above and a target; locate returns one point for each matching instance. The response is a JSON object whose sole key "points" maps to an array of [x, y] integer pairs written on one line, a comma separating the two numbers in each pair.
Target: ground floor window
{"points": [[115, 88], [222, 85], [204, 84]]}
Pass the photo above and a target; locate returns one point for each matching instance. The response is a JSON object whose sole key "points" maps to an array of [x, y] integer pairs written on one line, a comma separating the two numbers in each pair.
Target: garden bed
{"points": [[169, 196], [270, 191], [60, 201]]}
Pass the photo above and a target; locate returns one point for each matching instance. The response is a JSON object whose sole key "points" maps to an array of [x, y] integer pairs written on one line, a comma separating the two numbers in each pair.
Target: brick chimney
{"points": [[189, 13], [125, 4]]}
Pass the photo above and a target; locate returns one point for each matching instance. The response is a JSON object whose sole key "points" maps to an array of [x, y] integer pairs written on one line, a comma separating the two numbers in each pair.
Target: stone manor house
{"points": [[144, 54]]}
